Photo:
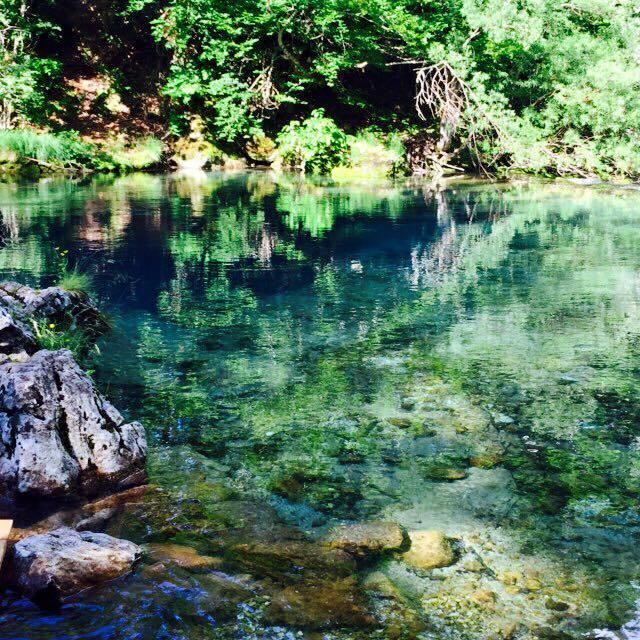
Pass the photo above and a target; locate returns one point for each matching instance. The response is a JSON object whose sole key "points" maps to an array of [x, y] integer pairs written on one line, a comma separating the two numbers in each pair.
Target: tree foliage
{"points": [[539, 85], [24, 76]]}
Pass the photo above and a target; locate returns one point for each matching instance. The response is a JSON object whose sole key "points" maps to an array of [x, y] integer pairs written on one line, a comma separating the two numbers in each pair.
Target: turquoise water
{"points": [[305, 353]]}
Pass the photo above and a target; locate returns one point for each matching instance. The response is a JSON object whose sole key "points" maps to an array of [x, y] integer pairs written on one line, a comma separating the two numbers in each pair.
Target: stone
{"points": [[502, 420], [509, 630], [58, 435], [408, 404], [225, 593], [380, 584], [47, 567], [400, 620], [401, 423], [183, 556], [15, 334], [532, 584], [486, 460], [429, 550], [96, 521], [510, 577], [118, 501], [556, 605], [5, 532], [484, 598], [367, 539], [473, 566], [320, 605], [292, 560]]}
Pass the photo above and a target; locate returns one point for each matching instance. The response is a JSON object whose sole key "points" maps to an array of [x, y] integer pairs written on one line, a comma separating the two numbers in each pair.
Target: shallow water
{"points": [[304, 353]]}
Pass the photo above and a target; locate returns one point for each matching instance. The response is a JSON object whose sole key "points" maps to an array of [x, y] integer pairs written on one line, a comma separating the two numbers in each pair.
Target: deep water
{"points": [[304, 353]]}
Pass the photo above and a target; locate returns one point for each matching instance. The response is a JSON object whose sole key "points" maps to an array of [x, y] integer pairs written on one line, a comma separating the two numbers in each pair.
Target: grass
{"points": [[50, 336], [55, 150], [75, 281], [67, 151]]}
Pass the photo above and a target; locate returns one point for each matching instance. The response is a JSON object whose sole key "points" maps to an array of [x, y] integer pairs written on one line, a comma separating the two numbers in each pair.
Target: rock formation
{"points": [[15, 334], [59, 435]]}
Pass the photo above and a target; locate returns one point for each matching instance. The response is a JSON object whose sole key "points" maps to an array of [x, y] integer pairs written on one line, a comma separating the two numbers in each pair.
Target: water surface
{"points": [[304, 353]]}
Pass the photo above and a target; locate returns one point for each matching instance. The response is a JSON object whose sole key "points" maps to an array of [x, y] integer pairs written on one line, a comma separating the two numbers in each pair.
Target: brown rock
{"points": [[292, 560], [183, 556], [368, 539], [429, 550], [323, 605], [441, 473]]}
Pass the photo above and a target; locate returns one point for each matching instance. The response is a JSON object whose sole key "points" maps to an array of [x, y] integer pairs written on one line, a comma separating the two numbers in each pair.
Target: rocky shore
{"points": [[60, 440]]}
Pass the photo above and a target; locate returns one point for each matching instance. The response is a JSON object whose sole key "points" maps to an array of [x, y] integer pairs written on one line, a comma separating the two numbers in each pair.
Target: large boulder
{"points": [[324, 604], [58, 434], [47, 567], [292, 560]]}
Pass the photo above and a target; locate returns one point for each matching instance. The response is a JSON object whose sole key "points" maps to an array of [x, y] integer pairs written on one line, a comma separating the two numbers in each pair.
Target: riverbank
{"points": [[318, 146], [314, 146]]}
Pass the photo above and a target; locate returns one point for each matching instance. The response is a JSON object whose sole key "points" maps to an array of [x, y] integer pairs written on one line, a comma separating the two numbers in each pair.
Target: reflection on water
{"points": [[303, 353]]}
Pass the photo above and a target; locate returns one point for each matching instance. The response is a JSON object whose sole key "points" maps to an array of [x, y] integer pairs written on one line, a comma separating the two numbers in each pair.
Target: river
{"points": [[305, 353]]}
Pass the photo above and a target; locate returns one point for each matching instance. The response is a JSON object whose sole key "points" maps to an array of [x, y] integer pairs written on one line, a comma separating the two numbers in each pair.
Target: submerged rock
{"points": [[293, 560], [443, 473], [183, 556], [368, 538], [401, 423], [321, 605], [58, 434], [429, 550], [408, 404], [96, 521], [400, 620], [50, 566]]}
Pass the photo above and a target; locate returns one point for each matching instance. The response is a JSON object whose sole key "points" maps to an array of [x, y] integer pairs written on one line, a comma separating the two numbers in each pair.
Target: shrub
{"points": [[142, 153], [317, 144], [373, 154], [190, 153], [261, 148]]}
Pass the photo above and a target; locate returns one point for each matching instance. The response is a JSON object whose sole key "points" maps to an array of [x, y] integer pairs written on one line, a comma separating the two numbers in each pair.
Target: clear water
{"points": [[304, 353]]}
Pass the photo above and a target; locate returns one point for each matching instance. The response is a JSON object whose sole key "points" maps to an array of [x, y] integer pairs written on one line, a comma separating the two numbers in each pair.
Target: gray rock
{"points": [[15, 334], [58, 434], [47, 567], [53, 304]]}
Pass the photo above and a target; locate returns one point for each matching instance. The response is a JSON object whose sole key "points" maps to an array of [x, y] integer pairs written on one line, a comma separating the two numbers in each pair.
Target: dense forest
{"points": [[425, 86]]}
